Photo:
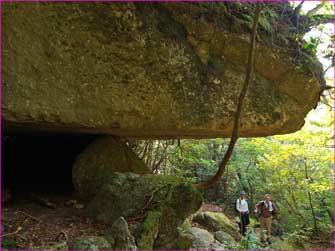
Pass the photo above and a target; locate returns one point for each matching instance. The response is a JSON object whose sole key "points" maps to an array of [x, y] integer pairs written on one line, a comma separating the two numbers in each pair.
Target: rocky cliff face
{"points": [[151, 70]]}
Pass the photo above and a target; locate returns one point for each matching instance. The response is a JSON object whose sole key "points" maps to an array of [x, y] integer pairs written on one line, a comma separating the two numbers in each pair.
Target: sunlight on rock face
{"points": [[150, 71]]}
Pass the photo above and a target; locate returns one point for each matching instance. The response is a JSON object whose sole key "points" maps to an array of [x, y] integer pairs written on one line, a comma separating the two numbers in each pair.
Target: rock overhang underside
{"points": [[151, 70]]}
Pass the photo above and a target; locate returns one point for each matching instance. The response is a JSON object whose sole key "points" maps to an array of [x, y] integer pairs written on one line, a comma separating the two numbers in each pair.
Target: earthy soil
{"points": [[29, 222]]}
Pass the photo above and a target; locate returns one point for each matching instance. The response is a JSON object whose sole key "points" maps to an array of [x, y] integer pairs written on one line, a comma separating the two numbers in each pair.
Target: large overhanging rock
{"points": [[151, 70]]}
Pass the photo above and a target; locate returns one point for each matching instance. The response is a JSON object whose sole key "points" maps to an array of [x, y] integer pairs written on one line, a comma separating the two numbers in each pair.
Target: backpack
{"points": [[235, 207]]}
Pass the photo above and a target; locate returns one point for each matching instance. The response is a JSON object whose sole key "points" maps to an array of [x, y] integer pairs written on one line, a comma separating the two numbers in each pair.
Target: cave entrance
{"points": [[40, 163], [38, 199]]}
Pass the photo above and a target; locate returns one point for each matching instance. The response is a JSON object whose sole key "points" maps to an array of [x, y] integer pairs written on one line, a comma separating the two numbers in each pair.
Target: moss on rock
{"points": [[89, 243], [150, 230], [94, 166], [217, 222], [202, 239], [130, 196], [57, 246], [119, 236]]}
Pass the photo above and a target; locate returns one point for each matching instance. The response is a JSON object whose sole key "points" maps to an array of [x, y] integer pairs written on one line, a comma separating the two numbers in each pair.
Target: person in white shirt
{"points": [[243, 210]]}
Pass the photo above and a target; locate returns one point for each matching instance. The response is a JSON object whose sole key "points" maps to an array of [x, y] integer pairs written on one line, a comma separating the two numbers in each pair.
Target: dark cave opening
{"points": [[40, 162]]}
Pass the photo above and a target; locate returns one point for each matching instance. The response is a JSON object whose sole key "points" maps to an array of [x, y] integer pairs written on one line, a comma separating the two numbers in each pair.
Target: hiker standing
{"points": [[243, 210], [268, 209]]}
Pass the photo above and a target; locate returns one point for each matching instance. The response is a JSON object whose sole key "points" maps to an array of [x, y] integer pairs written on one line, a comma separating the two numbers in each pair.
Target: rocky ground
{"points": [[32, 221], [42, 221]]}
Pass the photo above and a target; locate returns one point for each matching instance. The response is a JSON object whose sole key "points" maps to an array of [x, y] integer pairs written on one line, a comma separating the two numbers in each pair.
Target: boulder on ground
{"points": [[222, 236], [99, 160], [202, 239], [160, 200], [218, 246], [119, 236], [184, 241], [217, 222], [89, 243]]}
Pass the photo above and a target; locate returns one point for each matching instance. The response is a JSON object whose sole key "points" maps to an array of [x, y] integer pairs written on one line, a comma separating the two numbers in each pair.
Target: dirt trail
{"points": [[25, 223]]}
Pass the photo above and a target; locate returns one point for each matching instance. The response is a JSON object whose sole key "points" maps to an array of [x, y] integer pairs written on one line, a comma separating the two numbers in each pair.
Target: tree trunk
{"points": [[247, 81], [310, 200]]}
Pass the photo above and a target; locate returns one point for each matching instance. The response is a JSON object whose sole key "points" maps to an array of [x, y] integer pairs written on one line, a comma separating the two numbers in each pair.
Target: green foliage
{"points": [[312, 44], [250, 242], [297, 169], [275, 164], [300, 235], [9, 244]]}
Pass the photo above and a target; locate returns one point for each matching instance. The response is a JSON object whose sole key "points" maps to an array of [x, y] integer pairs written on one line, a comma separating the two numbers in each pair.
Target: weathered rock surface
{"points": [[222, 236], [95, 165], [119, 236], [150, 70], [217, 222], [89, 243], [218, 246], [202, 239], [57, 246], [163, 201]]}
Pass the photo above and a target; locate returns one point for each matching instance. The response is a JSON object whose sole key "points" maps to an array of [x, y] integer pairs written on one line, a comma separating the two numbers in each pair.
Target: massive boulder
{"points": [[117, 185], [152, 70], [97, 163], [160, 203]]}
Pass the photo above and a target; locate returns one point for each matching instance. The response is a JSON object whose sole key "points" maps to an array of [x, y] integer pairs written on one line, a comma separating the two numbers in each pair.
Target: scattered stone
{"points": [[71, 202], [42, 201], [119, 236], [222, 236], [89, 243], [202, 239], [57, 246], [217, 246], [217, 222], [184, 241], [79, 206]]}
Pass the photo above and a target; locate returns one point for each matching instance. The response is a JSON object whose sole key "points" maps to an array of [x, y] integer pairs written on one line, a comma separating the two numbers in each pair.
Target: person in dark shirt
{"points": [[268, 210]]}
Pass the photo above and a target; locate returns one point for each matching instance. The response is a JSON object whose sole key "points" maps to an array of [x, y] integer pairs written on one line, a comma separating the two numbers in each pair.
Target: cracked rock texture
{"points": [[151, 70]]}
